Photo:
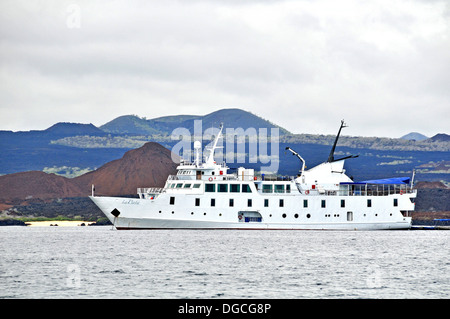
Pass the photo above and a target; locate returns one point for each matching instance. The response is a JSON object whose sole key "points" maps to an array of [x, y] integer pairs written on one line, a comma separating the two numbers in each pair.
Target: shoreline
{"points": [[62, 223]]}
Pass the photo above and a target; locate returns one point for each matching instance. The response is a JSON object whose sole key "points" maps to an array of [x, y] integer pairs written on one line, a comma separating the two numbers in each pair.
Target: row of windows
{"points": [[181, 185], [266, 201], [223, 188], [349, 215]]}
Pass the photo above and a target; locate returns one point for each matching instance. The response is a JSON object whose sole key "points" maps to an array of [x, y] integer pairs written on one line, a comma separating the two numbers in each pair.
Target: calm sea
{"points": [[98, 262]]}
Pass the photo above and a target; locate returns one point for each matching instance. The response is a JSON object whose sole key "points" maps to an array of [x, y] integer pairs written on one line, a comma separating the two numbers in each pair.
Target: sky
{"points": [[383, 66]]}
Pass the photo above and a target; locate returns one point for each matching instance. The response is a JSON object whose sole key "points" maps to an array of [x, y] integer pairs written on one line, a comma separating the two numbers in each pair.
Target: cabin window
{"points": [[187, 185], [288, 188], [342, 202], [235, 188], [246, 188], [281, 202], [249, 202], [305, 203], [324, 203], [395, 202], [369, 203], [172, 200], [222, 188], [179, 185], [266, 203], [213, 202], [279, 188], [197, 202], [210, 188], [267, 188], [196, 186], [231, 202]]}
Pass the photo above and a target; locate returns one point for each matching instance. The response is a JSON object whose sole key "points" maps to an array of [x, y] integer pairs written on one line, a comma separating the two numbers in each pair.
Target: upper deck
{"points": [[269, 186]]}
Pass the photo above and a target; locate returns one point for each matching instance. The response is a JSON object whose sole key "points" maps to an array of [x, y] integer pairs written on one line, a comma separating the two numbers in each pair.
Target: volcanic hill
{"points": [[147, 166]]}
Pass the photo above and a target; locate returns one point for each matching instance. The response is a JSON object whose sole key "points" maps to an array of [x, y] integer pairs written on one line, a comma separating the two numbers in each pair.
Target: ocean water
{"points": [[99, 262]]}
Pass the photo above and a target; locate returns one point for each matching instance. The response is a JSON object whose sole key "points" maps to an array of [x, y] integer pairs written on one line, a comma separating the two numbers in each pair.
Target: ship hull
{"points": [[130, 213]]}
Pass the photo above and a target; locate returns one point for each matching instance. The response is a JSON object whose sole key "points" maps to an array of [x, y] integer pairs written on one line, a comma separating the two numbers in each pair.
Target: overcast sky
{"points": [[383, 66]]}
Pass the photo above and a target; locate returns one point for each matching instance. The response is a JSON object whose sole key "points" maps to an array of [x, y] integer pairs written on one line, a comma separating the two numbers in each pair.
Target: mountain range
{"points": [[72, 149]]}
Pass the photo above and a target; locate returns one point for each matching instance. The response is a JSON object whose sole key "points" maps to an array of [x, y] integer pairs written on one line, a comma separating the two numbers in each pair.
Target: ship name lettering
{"points": [[130, 202]]}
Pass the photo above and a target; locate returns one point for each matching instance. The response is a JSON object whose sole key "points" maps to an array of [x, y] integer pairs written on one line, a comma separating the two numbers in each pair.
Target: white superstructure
{"points": [[204, 194]]}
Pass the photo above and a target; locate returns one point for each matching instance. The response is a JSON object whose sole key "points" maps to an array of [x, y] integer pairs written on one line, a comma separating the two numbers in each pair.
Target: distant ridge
{"points": [[70, 129], [414, 136], [440, 138], [233, 118]]}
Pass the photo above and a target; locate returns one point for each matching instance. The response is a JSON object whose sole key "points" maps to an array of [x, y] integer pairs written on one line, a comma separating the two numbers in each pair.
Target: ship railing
{"points": [[151, 190], [374, 190]]}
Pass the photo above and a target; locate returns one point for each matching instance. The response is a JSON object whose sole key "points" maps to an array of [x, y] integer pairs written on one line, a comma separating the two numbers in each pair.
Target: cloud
{"points": [[305, 65]]}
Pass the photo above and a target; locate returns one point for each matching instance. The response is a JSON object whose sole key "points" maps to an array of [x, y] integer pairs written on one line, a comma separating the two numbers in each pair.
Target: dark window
{"points": [[172, 200], [231, 202], [235, 188], [222, 188], [246, 188], [305, 203], [395, 202], [266, 203], [342, 202], [323, 203], [197, 202], [369, 203], [210, 188], [249, 202], [213, 202], [281, 202]]}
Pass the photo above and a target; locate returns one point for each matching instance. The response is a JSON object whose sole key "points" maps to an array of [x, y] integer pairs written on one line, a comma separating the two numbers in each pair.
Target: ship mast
{"points": [[331, 156], [210, 159]]}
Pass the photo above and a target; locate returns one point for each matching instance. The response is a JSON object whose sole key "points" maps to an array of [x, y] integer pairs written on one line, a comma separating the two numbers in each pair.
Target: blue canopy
{"points": [[394, 180]]}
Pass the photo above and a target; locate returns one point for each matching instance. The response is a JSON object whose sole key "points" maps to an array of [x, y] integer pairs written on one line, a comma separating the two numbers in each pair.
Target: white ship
{"points": [[204, 195]]}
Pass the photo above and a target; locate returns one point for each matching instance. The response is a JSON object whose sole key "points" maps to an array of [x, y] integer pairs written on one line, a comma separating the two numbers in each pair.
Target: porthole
{"points": [[284, 215], [308, 215], [192, 213], [296, 215]]}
